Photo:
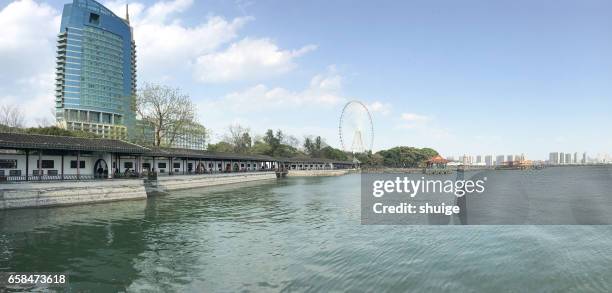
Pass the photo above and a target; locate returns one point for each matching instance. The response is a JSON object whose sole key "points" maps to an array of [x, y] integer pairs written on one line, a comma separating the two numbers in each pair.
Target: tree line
{"points": [[239, 139]]}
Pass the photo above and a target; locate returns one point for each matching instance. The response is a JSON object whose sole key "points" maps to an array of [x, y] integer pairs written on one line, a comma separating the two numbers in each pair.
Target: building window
{"points": [[177, 165], [1, 172], [46, 164], [52, 172], [146, 166], [15, 173], [94, 18], [73, 165], [129, 165], [161, 165], [8, 164]]}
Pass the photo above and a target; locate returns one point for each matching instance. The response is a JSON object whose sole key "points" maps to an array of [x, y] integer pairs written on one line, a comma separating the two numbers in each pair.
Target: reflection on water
{"points": [[298, 234]]}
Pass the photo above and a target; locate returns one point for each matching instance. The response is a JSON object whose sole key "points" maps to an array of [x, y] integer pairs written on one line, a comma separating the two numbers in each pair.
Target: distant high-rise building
{"points": [[499, 160], [510, 158], [478, 159], [96, 71], [489, 160], [561, 158], [568, 158], [553, 158], [584, 158], [575, 158]]}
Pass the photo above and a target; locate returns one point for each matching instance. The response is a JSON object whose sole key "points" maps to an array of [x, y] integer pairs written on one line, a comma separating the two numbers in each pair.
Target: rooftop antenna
{"points": [[127, 13]]}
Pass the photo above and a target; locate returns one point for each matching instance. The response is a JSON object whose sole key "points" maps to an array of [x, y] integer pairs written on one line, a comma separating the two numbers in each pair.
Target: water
{"points": [[299, 234]]}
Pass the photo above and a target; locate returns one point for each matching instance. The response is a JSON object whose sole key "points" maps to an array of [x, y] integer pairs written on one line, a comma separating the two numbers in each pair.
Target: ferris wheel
{"points": [[356, 129]]}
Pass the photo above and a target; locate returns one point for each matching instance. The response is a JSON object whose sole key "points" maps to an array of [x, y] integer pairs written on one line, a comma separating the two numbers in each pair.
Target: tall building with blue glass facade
{"points": [[96, 71]]}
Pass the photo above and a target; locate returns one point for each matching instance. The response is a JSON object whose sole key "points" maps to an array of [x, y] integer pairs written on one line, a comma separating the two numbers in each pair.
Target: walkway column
{"points": [[62, 176], [39, 165], [27, 165], [78, 165]]}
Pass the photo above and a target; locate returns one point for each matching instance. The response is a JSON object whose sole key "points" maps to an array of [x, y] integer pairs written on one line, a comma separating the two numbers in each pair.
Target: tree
{"points": [[167, 109], [406, 157], [221, 147], [308, 146], [314, 146], [332, 153], [11, 118], [54, 130], [239, 138], [291, 141], [261, 148]]}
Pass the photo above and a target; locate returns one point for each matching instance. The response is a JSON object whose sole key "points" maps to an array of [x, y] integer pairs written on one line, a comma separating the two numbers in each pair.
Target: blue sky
{"points": [[475, 77]]}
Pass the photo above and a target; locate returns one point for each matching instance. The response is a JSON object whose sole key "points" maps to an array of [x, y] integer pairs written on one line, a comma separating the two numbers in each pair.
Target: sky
{"points": [[462, 77]]}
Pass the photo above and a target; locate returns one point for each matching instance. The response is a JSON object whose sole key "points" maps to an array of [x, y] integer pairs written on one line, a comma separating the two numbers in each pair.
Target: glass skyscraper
{"points": [[96, 71]]}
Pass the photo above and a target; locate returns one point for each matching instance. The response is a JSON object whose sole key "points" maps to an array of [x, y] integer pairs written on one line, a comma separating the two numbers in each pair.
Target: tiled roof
{"points": [[50, 142], [175, 152]]}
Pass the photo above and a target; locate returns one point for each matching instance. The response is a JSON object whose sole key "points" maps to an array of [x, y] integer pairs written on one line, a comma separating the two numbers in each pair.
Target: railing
{"points": [[134, 175], [208, 172], [35, 178]]}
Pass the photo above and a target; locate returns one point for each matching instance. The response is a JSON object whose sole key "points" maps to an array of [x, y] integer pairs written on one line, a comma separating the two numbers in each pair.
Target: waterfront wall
{"points": [[169, 183], [47, 194], [310, 173], [27, 195]]}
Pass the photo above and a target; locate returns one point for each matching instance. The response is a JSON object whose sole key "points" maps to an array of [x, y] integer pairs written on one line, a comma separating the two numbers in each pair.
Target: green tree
{"points": [[221, 147], [334, 154], [261, 148], [54, 130], [406, 157]]}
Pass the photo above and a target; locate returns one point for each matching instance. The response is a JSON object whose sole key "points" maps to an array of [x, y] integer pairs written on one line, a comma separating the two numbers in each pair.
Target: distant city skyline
{"points": [[456, 77], [553, 158]]}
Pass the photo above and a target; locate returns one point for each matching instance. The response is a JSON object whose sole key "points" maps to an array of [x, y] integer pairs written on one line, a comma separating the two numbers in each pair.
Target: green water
{"points": [[299, 234]]}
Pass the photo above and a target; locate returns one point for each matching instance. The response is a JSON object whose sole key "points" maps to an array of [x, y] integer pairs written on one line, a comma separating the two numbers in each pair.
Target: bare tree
{"points": [[46, 121], [292, 141], [11, 117], [167, 109], [239, 138]]}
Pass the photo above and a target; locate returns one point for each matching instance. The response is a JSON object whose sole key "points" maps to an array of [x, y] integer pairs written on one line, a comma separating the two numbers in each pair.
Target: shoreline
{"points": [[68, 193]]}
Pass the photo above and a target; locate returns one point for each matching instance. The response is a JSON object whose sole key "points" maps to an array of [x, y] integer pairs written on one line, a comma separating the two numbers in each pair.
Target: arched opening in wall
{"points": [[100, 169]]}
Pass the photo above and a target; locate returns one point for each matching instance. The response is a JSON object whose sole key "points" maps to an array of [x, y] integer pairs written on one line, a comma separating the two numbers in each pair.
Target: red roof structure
{"points": [[437, 160]]}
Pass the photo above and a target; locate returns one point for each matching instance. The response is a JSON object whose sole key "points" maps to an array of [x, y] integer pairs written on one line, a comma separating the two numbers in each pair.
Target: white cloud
{"points": [[247, 59], [170, 50], [28, 33], [412, 117], [323, 90], [412, 120], [379, 107], [166, 47]]}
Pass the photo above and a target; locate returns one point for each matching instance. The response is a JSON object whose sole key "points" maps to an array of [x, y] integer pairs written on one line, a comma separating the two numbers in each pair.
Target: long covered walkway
{"points": [[29, 157]]}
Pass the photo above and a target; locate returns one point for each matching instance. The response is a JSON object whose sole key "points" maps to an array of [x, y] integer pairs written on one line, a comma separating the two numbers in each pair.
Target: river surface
{"points": [[298, 234]]}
